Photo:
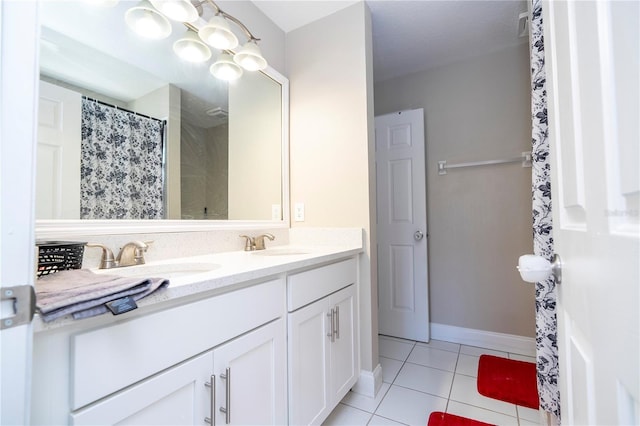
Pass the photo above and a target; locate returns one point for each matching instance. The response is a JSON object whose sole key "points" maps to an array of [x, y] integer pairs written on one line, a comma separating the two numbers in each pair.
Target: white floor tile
{"points": [[394, 348], [468, 365], [435, 358], [408, 406], [381, 421], [480, 414], [345, 415], [528, 413], [390, 368], [473, 350], [442, 345], [425, 379], [465, 390], [365, 403]]}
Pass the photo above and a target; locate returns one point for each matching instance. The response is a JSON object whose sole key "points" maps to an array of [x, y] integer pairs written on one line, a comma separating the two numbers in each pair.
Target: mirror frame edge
{"points": [[47, 229]]}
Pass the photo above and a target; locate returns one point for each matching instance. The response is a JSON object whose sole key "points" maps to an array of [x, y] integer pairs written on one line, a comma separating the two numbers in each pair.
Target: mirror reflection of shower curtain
{"points": [[121, 164]]}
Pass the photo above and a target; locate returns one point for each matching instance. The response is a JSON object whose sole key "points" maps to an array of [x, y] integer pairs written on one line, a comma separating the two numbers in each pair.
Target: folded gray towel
{"points": [[83, 293]]}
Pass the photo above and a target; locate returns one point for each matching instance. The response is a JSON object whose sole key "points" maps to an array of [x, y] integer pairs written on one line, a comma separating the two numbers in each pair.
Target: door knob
{"points": [[418, 235], [534, 269]]}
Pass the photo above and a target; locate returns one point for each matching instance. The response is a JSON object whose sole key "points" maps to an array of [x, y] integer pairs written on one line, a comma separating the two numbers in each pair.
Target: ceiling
{"points": [[416, 35]]}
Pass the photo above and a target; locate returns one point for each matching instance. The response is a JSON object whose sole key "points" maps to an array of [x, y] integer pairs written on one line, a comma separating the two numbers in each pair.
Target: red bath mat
{"points": [[438, 418], [508, 380]]}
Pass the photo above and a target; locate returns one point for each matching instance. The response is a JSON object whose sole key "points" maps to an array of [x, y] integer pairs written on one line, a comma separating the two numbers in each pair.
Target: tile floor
{"points": [[420, 378]]}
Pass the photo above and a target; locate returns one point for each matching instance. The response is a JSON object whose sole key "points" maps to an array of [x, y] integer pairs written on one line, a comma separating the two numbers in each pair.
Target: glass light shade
{"points": [[225, 69], [147, 22], [217, 33], [250, 58], [178, 10], [191, 48]]}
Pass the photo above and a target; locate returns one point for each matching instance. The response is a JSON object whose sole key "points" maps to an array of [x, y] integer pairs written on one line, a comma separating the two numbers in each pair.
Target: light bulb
{"points": [[225, 69], [191, 49], [147, 22], [178, 10], [217, 33], [250, 58]]}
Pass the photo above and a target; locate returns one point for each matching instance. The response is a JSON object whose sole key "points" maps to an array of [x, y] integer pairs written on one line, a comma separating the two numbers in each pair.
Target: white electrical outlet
{"points": [[298, 212]]}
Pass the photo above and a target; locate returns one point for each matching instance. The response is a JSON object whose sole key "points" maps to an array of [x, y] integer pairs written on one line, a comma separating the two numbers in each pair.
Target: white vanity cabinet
{"points": [[322, 330], [153, 369], [249, 388]]}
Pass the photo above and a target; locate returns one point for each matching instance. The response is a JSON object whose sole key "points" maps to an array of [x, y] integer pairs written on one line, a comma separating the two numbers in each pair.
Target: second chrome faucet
{"points": [[130, 254], [256, 243]]}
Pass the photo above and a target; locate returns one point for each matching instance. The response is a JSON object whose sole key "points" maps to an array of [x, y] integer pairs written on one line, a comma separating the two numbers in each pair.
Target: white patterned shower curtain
{"points": [[121, 170], [546, 323]]}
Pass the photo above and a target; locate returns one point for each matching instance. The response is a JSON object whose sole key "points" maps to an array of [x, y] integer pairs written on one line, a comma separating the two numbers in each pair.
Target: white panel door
{"points": [[18, 100], [251, 371], [177, 396], [403, 306], [58, 177], [309, 363], [344, 355], [592, 55]]}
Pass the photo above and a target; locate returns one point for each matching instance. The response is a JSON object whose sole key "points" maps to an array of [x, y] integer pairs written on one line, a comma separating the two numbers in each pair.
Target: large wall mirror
{"points": [[129, 132]]}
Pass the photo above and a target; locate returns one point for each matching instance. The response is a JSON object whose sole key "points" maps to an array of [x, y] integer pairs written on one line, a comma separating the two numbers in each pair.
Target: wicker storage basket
{"points": [[54, 256]]}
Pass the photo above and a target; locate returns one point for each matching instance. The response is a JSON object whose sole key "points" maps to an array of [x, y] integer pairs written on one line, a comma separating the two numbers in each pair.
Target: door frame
{"points": [[19, 37]]}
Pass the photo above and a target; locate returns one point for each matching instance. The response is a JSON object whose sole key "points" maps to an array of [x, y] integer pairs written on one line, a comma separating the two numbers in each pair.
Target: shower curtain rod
{"points": [[123, 109], [525, 159]]}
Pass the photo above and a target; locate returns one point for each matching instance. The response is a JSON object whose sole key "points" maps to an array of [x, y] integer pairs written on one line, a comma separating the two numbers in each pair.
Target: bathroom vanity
{"points": [[260, 338]]}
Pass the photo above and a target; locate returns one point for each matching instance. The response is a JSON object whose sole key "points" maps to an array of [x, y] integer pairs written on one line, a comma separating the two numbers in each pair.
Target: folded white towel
{"points": [[83, 293]]}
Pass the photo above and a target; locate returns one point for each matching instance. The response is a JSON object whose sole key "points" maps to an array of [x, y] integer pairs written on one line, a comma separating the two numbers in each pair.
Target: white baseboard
{"points": [[369, 382], [485, 339]]}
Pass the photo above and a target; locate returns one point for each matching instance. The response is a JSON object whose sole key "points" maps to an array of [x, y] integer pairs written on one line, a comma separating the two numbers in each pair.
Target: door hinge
{"points": [[24, 305]]}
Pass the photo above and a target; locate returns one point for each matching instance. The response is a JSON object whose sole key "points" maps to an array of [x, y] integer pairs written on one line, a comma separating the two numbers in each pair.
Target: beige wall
{"points": [[255, 148], [479, 219], [331, 138]]}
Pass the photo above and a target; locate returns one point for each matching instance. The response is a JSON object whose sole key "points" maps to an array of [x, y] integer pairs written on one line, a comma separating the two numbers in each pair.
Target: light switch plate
{"points": [[298, 212], [275, 212]]}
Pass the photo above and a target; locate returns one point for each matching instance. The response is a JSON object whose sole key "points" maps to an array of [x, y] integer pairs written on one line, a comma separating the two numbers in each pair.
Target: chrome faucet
{"points": [[249, 244], [256, 243], [259, 241], [130, 254]]}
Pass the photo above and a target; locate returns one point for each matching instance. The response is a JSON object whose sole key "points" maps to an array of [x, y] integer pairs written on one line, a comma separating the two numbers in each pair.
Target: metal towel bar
{"points": [[525, 159]]}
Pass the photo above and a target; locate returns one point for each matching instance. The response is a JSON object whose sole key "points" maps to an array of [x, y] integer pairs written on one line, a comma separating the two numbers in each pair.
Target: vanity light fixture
{"points": [[147, 21], [217, 33], [249, 57], [177, 10], [225, 68], [151, 22], [191, 48]]}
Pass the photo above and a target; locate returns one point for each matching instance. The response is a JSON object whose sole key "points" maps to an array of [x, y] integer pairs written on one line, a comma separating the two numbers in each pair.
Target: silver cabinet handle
{"points": [[418, 235], [212, 384], [227, 390], [331, 321], [337, 322]]}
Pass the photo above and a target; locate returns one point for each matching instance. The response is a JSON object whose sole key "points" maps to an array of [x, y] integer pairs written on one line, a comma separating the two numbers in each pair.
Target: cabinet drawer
{"points": [[108, 359], [305, 287]]}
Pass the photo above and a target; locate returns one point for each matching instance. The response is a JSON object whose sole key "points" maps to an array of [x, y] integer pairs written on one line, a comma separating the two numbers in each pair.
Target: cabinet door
{"points": [[308, 364], [177, 396], [344, 353], [250, 376]]}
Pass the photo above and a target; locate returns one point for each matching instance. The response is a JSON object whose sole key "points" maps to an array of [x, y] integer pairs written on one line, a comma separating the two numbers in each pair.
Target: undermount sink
{"points": [[166, 270], [280, 252]]}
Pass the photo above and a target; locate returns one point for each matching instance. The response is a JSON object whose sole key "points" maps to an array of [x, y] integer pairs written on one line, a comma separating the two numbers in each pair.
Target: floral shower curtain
{"points": [[546, 324], [121, 164]]}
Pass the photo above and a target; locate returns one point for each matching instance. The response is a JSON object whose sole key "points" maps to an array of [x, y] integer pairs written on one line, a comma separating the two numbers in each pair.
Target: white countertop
{"points": [[230, 269]]}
